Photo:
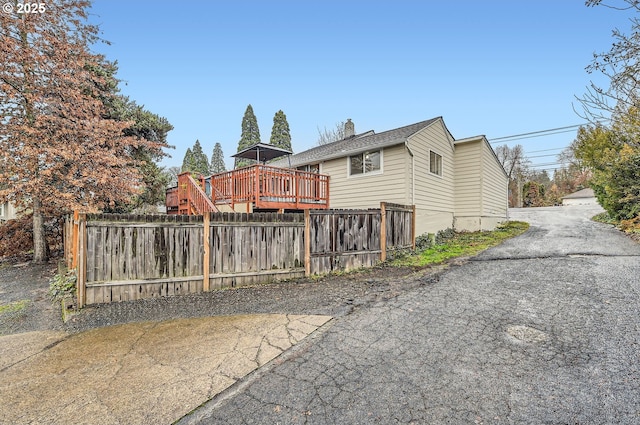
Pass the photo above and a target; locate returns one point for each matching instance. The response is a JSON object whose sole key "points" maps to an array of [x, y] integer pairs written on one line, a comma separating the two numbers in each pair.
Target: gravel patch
{"points": [[333, 295], [25, 304]]}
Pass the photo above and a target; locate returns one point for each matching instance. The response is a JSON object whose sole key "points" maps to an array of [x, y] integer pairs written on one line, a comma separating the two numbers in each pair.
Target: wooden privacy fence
{"points": [[130, 257]]}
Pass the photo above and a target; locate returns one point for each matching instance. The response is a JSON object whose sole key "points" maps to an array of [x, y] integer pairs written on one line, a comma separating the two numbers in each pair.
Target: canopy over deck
{"points": [[262, 152]]}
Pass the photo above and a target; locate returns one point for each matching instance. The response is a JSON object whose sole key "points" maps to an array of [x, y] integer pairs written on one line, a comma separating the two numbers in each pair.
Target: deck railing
{"points": [[271, 187], [188, 198]]}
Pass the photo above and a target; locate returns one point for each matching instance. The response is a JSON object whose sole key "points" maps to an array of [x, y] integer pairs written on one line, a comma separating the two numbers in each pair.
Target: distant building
{"points": [[7, 212], [581, 197]]}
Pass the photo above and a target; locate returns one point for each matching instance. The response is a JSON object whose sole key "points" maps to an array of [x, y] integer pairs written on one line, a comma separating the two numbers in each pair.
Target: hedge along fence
{"points": [[130, 257]]}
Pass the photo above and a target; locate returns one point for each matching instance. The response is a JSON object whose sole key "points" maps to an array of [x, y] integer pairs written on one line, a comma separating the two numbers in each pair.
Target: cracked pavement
{"points": [[138, 373], [543, 329]]}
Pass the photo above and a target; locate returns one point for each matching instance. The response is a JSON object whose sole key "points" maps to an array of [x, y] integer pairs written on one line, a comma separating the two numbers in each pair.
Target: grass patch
{"points": [[603, 218], [14, 307], [463, 244]]}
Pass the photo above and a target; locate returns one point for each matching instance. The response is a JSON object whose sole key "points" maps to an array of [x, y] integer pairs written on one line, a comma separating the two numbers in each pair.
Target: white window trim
{"points": [[370, 173], [441, 164]]}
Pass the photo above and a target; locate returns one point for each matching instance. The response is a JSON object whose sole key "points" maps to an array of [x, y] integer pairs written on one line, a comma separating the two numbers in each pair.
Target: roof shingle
{"points": [[353, 145]]}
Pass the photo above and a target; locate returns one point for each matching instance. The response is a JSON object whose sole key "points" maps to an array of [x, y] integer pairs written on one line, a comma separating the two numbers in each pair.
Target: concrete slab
{"points": [[142, 373]]}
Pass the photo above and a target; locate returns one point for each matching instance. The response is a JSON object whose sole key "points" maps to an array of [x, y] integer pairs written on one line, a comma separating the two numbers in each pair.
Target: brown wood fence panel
{"points": [[131, 257], [399, 226], [253, 248], [344, 239]]}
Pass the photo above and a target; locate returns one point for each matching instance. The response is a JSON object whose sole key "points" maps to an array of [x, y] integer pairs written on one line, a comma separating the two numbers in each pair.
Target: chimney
{"points": [[349, 129]]}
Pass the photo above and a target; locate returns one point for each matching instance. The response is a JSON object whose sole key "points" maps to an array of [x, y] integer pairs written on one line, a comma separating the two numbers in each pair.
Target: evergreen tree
{"points": [[217, 160], [250, 136], [188, 163], [200, 161], [150, 127], [280, 134]]}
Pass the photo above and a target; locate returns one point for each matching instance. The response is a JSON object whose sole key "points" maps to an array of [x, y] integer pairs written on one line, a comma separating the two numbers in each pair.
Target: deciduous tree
{"points": [[331, 135], [516, 166], [533, 194], [615, 162], [171, 174], [620, 65], [60, 151]]}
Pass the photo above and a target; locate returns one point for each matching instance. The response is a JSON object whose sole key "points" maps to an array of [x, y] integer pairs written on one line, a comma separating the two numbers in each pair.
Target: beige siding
{"points": [[428, 221], [468, 183], [432, 192], [368, 190], [481, 187], [494, 186], [433, 195]]}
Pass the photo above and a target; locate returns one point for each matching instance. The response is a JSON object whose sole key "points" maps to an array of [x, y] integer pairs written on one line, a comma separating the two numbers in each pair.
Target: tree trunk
{"points": [[40, 251]]}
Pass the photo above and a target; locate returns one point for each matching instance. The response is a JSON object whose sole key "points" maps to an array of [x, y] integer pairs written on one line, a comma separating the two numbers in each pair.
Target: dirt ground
{"points": [[24, 301], [24, 287]]}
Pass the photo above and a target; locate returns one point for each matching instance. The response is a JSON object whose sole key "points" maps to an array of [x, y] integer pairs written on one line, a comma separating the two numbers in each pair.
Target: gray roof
{"points": [[584, 193], [262, 152], [353, 145]]}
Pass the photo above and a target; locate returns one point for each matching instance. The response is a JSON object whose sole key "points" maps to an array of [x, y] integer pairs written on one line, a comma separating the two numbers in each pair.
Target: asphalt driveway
{"points": [[543, 329]]}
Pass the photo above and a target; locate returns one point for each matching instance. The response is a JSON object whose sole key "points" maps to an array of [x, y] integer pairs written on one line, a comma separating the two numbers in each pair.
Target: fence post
{"points": [[413, 228], [74, 242], [80, 257], [307, 243], [383, 231], [206, 218]]}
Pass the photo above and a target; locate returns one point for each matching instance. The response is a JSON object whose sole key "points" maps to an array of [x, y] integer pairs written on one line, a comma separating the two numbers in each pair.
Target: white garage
{"points": [[581, 197]]}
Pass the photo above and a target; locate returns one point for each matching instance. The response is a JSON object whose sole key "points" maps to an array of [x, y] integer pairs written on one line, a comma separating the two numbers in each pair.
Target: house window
{"points": [[435, 163], [311, 168], [364, 163]]}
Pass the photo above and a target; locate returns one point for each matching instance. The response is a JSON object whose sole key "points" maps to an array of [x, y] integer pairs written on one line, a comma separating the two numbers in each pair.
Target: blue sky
{"points": [[492, 67]]}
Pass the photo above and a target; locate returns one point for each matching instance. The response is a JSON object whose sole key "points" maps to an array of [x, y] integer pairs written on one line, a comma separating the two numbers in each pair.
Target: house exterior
{"points": [[581, 197], [7, 212], [453, 183]]}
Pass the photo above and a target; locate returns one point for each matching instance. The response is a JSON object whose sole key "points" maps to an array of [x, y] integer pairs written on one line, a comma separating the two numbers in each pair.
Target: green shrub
{"points": [[62, 284]]}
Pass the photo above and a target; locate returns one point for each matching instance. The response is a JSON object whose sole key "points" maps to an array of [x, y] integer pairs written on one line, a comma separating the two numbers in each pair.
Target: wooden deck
{"points": [[255, 188]]}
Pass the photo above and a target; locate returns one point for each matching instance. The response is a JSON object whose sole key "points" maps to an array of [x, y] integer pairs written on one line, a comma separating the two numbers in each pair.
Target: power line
{"points": [[540, 133], [547, 150], [537, 132], [542, 156], [514, 138]]}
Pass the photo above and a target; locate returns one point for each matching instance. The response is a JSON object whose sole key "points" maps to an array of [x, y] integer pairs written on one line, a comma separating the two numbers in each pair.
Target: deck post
{"points": [[296, 188], [256, 192], [327, 193]]}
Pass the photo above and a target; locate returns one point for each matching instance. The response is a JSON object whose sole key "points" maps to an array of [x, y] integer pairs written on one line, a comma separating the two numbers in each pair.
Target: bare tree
{"points": [[621, 66], [172, 173], [332, 134], [516, 165]]}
